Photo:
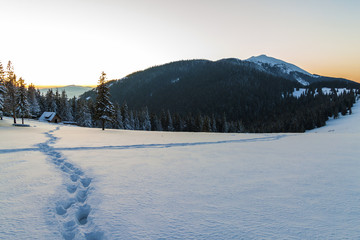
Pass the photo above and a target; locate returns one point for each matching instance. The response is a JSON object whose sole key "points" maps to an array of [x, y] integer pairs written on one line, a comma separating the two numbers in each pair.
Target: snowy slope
{"points": [[287, 67], [78, 183]]}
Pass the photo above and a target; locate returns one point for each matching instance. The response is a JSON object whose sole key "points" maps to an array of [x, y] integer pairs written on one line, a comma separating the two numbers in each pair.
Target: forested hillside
{"points": [[226, 95], [195, 95]]}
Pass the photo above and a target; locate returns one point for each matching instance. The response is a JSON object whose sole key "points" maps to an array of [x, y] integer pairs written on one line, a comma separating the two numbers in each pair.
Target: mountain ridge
{"points": [[71, 90]]}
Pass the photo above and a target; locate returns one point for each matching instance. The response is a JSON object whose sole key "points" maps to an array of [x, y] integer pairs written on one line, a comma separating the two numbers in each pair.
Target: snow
{"points": [[338, 90], [344, 125], [67, 182], [175, 80], [302, 81], [47, 116], [298, 93], [287, 67]]}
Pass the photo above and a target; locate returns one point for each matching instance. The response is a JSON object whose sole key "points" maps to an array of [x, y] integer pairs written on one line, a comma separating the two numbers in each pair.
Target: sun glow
{"points": [[121, 37]]}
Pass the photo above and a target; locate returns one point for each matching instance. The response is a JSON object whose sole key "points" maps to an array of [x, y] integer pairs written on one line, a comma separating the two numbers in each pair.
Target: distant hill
{"points": [[199, 86], [256, 93], [71, 90], [230, 86]]}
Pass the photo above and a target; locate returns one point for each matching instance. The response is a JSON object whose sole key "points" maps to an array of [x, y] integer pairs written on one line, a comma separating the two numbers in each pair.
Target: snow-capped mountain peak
{"points": [[286, 67]]}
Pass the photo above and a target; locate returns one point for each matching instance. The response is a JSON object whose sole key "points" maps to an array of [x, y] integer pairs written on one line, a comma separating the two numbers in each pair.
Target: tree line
{"points": [[286, 114]]}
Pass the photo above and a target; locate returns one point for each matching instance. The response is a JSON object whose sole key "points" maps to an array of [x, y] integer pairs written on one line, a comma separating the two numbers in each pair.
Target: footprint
{"points": [[60, 210], [68, 235], [94, 235], [74, 177], [65, 169], [71, 188], [74, 210], [69, 165], [81, 195], [70, 225], [68, 203], [82, 214], [59, 161], [85, 181], [79, 172]]}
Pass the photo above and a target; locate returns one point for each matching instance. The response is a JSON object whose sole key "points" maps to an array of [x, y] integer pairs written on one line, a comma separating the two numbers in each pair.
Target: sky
{"points": [[52, 42]]}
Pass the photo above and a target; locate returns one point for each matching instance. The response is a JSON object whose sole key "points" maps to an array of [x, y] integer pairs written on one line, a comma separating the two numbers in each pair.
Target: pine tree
{"points": [[206, 127], [33, 102], [11, 89], [225, 124], [23, 107], [2, 72], [126, 117], [64, 107], [137, 122], [169, 122], [163, 120], [104, 107], [57, 101], [118, 123], [2, 89], [199, 123], [41, 100], [83, 117], [73, 105], [50, 101], [155, 123], [147, 122], [132, 121], [213, 124]]}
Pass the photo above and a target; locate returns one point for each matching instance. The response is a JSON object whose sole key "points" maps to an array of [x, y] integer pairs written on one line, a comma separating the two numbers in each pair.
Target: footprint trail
{"points": [[71, 210]]}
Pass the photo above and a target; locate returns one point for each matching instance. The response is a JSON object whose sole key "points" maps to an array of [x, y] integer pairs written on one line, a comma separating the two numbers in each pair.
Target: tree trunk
{"points": [[22, 120], [14, 116], [103, 125]]}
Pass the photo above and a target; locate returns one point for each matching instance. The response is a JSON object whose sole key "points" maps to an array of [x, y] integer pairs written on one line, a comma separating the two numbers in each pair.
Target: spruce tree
{"points": [[64, 107], [169, 122], [23, 107], [2, 89], [11, 89], [126, 117], [73, 105], [83, 117], [33, 102], [147, 122], [118, 118], [132, 121], [104, 107], [50, 101], [225, 124]]}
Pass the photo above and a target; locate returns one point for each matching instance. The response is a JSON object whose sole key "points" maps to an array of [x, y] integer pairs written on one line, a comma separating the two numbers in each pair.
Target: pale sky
{"points": [[63, 42]]}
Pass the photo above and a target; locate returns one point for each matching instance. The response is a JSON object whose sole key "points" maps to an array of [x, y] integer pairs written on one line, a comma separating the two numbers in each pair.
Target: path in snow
{"points": [[142, 146], [72, 210]]}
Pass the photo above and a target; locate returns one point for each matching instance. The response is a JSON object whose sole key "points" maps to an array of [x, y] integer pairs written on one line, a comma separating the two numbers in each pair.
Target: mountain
{"points": [[199, 86], [71, 90], [289, 71], [252, 95], [284, 66]]}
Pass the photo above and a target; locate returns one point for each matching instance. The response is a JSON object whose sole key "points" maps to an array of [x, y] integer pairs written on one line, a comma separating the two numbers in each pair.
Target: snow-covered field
{"points": [[69, 182]]}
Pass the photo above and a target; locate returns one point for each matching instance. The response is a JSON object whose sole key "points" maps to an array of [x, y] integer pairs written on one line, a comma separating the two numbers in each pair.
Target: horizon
{"points": [[121, 37], [61, 86]]}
